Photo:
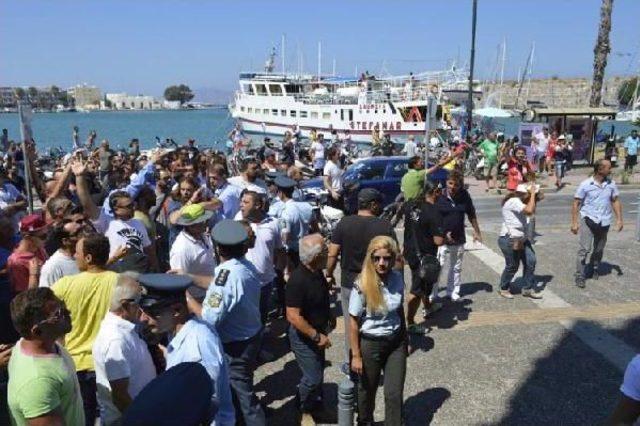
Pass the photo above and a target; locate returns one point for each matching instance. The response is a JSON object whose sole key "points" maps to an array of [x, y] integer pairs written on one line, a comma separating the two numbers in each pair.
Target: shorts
{"points": [[419, 287], [631, 160], [490, 169], [559, 169]]}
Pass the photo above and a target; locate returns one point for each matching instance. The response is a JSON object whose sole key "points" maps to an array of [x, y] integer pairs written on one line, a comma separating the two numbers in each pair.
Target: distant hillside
{"points": [[211, 95]]}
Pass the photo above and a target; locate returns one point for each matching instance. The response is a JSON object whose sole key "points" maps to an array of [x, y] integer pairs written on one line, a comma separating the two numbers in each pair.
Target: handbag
{"points": [[428, 265]]}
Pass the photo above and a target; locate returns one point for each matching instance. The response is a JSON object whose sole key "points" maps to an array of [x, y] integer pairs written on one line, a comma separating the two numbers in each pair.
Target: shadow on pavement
{"points": [[450, 314], [419, 409], [276, 341], [467, 289], [608, 268], [571, 385], [280, 384]]}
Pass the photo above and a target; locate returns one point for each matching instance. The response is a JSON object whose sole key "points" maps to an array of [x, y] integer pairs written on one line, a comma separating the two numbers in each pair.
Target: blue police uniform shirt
{"points": [[198, 342], [275, 207], [385, 323], [596, 200], [631, 145], [295, 220], [146, 176], [232, 303]]}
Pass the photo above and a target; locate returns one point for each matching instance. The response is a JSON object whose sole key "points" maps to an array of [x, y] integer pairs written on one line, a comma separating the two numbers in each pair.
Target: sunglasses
{"points": [[377, 259], [57, 315]]}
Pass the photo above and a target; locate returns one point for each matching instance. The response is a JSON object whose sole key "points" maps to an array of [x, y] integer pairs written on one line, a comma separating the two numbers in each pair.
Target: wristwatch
{"points": [[316, 337]]}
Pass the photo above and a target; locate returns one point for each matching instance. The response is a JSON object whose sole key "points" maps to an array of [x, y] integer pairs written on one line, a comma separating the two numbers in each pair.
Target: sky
{"points": [[143, 46]]}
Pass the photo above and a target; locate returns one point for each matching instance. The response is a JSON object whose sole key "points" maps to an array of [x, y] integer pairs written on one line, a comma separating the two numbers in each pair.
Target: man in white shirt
{"points": [[122, 361], [12, 203], [267, 250], [122, 230], [192, 252], [333, 178], [248, 178], [317, 155], [410, 148], [62, 262], [542, 143]]}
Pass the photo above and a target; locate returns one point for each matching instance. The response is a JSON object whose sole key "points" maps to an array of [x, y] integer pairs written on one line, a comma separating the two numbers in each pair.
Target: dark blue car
{"points": [[381, 173]]}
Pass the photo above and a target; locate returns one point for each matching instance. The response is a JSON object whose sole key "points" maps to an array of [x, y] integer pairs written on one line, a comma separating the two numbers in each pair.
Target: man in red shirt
{"points": [[24, 263]]}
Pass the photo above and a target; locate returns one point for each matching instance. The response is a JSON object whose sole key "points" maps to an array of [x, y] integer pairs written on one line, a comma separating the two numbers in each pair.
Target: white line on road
{"points": [[613, 349]]}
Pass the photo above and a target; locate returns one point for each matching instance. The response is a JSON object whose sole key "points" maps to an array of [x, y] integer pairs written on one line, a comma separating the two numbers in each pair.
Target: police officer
{"points": [[168, 305], [296, 218], [275, 203], [232, 305]]}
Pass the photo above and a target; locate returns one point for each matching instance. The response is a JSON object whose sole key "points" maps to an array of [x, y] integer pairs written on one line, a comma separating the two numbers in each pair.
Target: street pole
{"points": [[471, 63], [24, 115]]}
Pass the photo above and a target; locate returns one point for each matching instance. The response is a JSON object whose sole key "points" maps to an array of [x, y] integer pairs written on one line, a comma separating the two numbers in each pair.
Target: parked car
{"points": [[381, 173]]}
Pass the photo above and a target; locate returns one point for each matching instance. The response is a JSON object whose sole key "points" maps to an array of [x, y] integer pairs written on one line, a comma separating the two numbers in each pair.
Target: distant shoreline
{"points": [[213, 107]]}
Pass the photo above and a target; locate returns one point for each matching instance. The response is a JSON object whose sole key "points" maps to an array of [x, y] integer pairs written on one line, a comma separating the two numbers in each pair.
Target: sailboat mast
{"points": [[473, 56], [319, 59], [282, 54], [504, 56]]}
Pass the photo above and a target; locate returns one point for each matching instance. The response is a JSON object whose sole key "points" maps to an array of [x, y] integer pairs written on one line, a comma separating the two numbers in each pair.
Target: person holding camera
{"points": [[514, 243], [309, 315], [423, 233]]}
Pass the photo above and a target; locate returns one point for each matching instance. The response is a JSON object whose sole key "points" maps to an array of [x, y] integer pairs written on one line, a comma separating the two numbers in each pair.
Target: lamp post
{"points": [[471, 63]]}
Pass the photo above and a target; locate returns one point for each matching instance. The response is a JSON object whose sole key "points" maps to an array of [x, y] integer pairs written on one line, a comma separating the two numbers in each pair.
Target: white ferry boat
{"points": [[273, 103]]}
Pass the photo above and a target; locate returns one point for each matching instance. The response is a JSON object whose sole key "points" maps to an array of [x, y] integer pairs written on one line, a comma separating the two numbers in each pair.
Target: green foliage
{"points": [[20, 93], [626, 91], [180, 93]]}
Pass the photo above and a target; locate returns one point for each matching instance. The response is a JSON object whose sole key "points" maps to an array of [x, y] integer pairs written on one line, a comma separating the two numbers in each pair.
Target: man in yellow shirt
{"points": [[87, 295]]}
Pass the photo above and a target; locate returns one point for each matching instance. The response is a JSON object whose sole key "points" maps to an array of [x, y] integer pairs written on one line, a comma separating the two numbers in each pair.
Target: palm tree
{"points": [[600, 52]]}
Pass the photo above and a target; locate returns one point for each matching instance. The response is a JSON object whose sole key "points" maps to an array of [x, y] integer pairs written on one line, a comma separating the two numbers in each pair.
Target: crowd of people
{"points": [[138, 262]]}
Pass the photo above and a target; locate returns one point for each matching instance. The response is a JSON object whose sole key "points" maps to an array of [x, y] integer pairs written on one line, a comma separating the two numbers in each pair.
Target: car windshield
{"points": [[366, 170]]}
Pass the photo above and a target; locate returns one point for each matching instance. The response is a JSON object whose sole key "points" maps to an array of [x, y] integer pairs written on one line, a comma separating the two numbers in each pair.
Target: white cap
{"points": [[524, 188]]}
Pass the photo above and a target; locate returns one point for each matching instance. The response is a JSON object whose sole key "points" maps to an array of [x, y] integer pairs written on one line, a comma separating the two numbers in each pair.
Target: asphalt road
{"points": [[491, 361]]}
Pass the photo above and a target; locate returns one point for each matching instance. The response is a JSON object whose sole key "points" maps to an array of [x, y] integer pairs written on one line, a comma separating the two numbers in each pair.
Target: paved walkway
{"points": [[488, 360]]}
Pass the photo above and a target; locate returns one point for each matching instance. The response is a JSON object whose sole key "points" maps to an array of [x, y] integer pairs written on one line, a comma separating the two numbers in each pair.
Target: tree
{"points": [[600, 52], [180, 93], [33, 95], [20, 93], [627, 91]]}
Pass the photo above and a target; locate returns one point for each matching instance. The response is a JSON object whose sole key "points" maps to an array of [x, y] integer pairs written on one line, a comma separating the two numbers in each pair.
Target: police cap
{"points": [[228, 232], [285, 182], [159, 289]]}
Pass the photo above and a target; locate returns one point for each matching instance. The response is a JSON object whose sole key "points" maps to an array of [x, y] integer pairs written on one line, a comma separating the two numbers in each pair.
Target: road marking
{"points": [[613, 349]]}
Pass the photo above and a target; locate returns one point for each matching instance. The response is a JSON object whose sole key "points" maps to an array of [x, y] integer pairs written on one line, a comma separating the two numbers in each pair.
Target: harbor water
{"points": [[208, 127]]}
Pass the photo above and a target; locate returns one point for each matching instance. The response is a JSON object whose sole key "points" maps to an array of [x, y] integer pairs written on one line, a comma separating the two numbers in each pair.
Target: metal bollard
{"points": [[346, 402], [638, 219]]}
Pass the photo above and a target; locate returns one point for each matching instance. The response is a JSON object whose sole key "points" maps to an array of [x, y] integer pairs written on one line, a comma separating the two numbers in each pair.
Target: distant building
{"points": [[7, 97], [86, 96], [125, 101], [172, 104]]}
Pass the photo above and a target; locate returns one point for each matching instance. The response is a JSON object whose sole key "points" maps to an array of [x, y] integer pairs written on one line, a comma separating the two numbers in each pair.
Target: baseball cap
{"points": [[32, 223], [368, 195]]}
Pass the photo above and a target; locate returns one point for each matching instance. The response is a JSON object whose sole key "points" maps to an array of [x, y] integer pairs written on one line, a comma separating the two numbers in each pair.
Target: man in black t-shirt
{"points": [[423, 233], [309, 313], [350, 240]]}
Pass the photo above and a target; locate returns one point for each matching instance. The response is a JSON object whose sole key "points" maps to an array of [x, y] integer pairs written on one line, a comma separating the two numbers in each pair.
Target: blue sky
{"points": [[142, 46]]}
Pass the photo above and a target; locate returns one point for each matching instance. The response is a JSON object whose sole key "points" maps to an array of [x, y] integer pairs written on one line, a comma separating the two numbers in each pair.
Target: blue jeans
{"points": [[242, 358], [512, 261], [310, 359]]}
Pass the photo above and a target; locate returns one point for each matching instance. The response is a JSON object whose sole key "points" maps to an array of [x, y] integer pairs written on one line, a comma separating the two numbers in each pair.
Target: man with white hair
{"points": [[309, 313], [410, 148], [122, 361]]}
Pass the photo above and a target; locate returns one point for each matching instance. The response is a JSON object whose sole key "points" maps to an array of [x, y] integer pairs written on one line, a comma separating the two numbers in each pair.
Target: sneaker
{"points": [[416, 329], [506, 294], [531, 294], [580, 282]]}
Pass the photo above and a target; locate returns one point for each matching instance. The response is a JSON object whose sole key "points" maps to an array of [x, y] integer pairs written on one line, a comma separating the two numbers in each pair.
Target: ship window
{"points": [[242, 108], [247, 88], [261, 89], [265, 111], [341, 115], [283, 112], [292, 113], [350, 115], [275, 90], [326, 115], [274, 112], [250, 110], [314, 114], [303, 114]]}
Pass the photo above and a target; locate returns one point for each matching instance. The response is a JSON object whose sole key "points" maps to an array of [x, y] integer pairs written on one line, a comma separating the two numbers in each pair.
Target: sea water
{"points": [[208, 127]]}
